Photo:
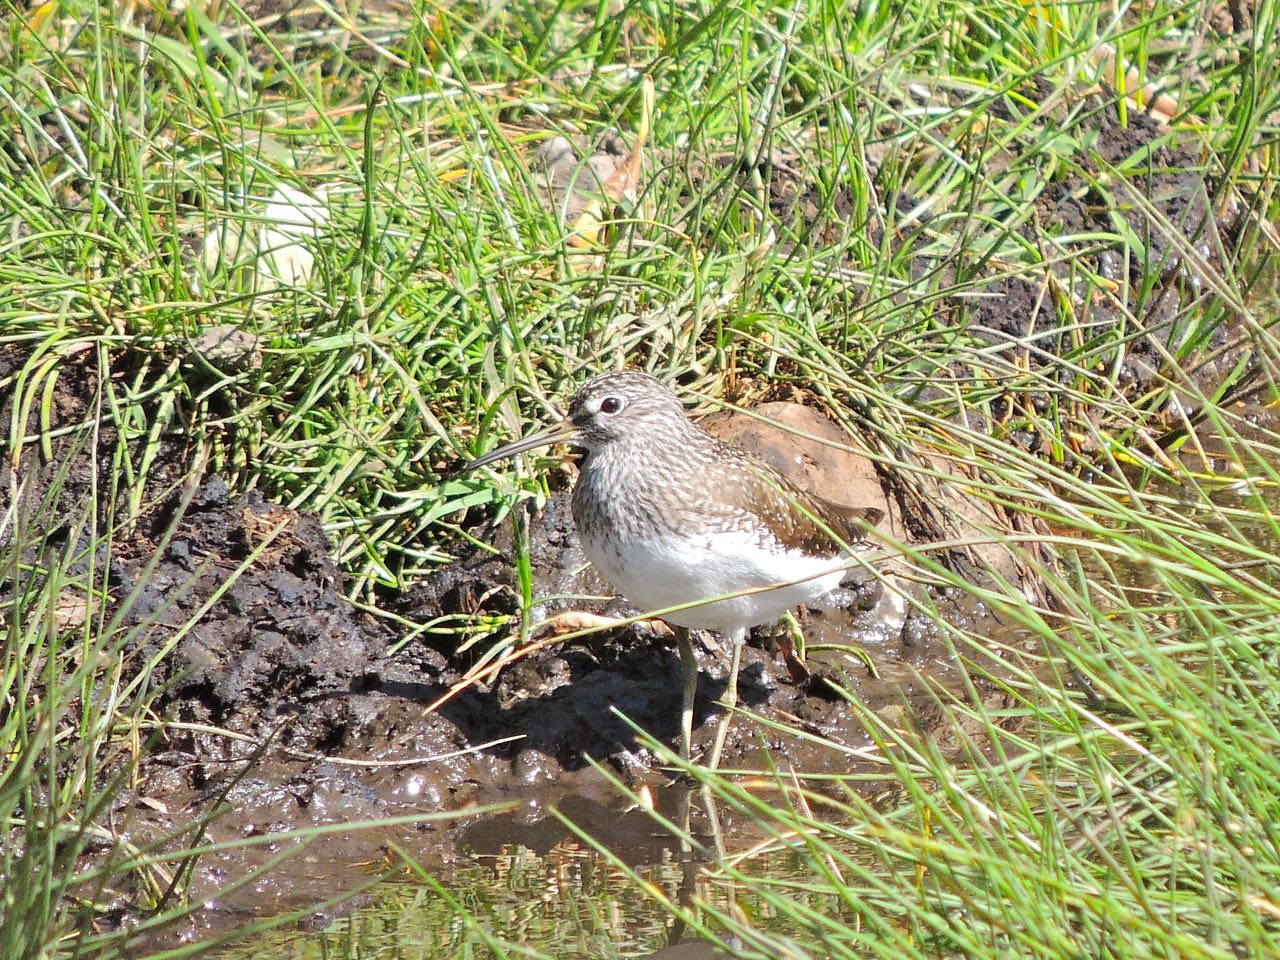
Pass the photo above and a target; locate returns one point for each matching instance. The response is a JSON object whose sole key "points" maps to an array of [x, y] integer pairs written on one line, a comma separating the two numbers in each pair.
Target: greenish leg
{"points": [[730, 699], [688, 689]]}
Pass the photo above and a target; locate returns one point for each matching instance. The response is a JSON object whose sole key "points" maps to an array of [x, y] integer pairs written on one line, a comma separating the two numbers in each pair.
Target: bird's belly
{"points": [[666, 571]]}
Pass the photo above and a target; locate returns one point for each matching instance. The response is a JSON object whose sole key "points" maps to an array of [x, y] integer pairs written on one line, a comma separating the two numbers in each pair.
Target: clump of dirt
{"points": [[263, 634]]}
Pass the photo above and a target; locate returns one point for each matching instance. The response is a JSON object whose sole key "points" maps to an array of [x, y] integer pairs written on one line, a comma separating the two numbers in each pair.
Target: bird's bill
{"points": [[559, 433]]}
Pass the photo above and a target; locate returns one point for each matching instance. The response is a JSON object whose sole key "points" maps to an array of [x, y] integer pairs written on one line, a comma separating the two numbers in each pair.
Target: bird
{"points": [[688, 526]]}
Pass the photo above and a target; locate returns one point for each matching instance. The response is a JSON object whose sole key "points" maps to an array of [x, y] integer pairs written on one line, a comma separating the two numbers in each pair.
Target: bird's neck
{"points": [[633, 486], [640, 460]]}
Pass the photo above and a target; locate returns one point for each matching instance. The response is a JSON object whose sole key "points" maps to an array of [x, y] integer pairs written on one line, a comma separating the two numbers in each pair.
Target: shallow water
{"points": [[566, 899]]}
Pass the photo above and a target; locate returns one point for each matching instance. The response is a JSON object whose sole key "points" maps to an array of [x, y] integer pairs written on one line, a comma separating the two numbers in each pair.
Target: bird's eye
{"points": [[610, 405]]}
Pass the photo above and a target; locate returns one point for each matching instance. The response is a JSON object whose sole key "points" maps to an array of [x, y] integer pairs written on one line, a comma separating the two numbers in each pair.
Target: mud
{"points": [[243, 629]]}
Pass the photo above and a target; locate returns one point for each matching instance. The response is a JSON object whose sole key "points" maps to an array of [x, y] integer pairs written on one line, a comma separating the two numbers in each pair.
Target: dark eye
{"points": [[610, 405]]}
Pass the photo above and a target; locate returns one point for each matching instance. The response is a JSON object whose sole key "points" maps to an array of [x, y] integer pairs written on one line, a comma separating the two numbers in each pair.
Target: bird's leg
{"points": [[688, 689], [730, 699]]}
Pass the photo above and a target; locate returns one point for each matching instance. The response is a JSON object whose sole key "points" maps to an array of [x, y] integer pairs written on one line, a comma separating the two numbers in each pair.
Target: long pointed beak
{"points": [[558, 433]]}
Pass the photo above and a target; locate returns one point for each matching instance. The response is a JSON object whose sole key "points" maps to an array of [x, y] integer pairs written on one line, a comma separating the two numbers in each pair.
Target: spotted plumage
{"points": [[674, 517]]}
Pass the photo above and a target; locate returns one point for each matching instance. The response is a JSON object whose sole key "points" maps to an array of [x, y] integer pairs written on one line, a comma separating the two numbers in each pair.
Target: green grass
{"points": [[930, 149]]}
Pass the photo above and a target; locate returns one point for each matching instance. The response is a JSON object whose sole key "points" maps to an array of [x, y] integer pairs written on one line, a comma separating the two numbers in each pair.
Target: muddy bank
{"points": [[232, 609], [288, 710], [237, 616]]}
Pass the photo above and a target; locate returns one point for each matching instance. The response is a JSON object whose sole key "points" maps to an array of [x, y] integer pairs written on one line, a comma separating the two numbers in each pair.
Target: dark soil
{"points": [[79, 474]]}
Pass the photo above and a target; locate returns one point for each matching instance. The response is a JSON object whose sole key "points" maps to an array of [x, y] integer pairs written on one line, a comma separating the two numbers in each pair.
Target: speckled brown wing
{"points": [[798, 519]]}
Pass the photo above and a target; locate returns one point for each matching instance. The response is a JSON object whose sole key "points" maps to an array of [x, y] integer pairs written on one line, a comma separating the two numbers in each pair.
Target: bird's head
{"points": [[609, 409]]}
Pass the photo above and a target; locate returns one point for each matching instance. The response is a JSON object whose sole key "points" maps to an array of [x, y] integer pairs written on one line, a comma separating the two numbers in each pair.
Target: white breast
{"points": [[668, 570]]}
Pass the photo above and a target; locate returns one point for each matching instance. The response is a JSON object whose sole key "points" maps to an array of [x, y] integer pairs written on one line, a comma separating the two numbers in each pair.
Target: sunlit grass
{"points": [[923, 151]]}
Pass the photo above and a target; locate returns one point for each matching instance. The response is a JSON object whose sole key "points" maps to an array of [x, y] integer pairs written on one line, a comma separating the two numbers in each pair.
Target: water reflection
{"points": [[534, 889]]}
